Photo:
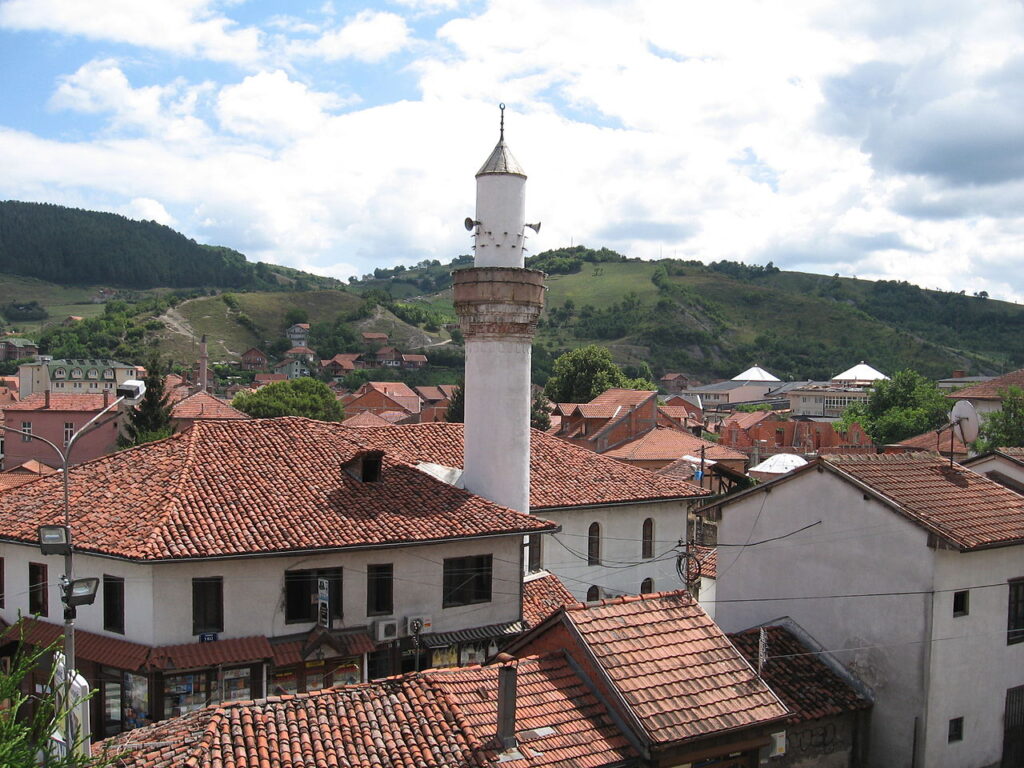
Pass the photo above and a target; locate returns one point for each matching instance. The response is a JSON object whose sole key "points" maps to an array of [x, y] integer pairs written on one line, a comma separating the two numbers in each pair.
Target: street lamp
{"points": [[57, 540]]}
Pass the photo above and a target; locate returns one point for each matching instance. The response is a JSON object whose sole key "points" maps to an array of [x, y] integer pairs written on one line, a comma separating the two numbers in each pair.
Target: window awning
{"points": [[473, 634]]}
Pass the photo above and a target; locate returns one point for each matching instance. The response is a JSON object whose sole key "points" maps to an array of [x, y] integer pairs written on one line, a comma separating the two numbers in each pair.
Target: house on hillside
{"points": [[986, 397], [13, 348], [292, 368], [374, 340], [911, 571], [254, 359], [435, 401], [341, 364], [610, 419], [674, 383], [56, 417], [414, 361], [201, 406], [298, 334], [388, 357], [247, 557], [383, 396]]}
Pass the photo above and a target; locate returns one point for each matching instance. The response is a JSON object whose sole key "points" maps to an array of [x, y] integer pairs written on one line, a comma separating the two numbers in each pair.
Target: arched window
{"points": [[594, 593], [594, 544], [647, 543], [646, 586]]}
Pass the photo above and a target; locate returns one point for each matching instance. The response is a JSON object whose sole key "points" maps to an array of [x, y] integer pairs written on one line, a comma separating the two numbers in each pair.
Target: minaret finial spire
{"points": [[502, 108]]}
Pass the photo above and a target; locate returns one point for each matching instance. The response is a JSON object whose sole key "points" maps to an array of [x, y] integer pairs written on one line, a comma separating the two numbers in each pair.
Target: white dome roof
{"points": [[860, 372], [755, 373], [780, 464]]}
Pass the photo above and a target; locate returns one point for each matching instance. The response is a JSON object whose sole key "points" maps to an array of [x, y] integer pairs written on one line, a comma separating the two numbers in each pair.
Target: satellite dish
{"points": [[469, 223], [964, 420]]}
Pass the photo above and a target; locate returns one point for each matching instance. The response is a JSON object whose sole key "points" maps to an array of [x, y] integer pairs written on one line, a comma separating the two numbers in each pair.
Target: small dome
{"points": [[755, 373], [501, 161]]}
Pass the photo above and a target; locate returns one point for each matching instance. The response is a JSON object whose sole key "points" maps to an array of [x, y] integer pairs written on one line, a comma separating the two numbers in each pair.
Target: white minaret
{"points": [[498, 303]]}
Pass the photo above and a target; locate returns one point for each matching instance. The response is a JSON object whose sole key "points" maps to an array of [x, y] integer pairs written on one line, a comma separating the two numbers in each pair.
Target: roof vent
{"points": [[365, 466]]}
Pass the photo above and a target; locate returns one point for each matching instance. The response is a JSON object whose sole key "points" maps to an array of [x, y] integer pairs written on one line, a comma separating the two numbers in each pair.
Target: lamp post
{"points": [[57, 540]]}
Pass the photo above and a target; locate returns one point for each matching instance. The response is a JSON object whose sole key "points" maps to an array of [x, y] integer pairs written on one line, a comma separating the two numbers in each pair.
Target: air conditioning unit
{"points": [[385, 630], [418, 625], [778, 745]]}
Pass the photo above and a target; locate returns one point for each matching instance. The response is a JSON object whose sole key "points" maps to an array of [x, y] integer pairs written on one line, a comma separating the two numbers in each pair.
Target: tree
{"points": [[297, 397], [29, 721], [582, 374], [540, 417], [456, 412], [1004, 428], [295, 315], [905, 405], [151, 419]]}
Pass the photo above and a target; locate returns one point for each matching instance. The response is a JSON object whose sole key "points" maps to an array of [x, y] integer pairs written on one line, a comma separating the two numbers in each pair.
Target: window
{"points": [[380, 580], [76, 373], [594, 544], [956, 730], [534, 560], [301, 595], [207, 605], [38, 601], [26, 430], [594, 593], [647, 544], [1015, 617], [1, 582], [467, 580], [961, 603], [69, 431], [113, 604], [60, 373], [646, 586]]}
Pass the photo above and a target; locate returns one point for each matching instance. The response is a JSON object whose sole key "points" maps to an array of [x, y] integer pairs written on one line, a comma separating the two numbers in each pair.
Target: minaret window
{"points": [[647, 543], [594, 544]]}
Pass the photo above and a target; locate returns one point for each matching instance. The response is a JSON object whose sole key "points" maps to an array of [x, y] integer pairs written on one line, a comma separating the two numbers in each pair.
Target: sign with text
{"points": [[323, 613]]}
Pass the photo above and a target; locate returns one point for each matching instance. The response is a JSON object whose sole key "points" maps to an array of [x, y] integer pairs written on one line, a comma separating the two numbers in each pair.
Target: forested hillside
{"points": [[69, 245]]}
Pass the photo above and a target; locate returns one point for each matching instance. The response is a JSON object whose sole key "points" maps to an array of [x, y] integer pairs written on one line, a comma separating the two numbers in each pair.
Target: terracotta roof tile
{"points": [[989, 390], [542, 596], [440, 718], [59, 402], [626, 397], [807, 685], [210, 492], [561, 474], [708, 557], [675, 668], [203, 405], [743, 420], [964, 508], [194, 655], [367, 419], [667, 444], [932, 441], [110, 651]]}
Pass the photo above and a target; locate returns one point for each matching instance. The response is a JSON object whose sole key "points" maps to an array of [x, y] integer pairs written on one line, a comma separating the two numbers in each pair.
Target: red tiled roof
{"points": [[366, 419], [542, 596], [300, 351], [59, 402], [561, 474], [966, 509], [203, 405], [238, 487], [677, 412], [266, 378], [438, 718], [414, 358], [675, 668], [430, 393], [110, 651], [667, 444], [600, 410], [708, 557], [932, 441], [369, 335], [32, 467], [8, 480], [743, 420], [806, 684], [194, 655], [392, 388], [989, 390], [626, 397]]}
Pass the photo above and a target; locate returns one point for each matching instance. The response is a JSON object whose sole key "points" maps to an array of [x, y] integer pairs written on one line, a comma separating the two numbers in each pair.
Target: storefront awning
{"points": [[108, 651], [473, 634], [195, 655]]}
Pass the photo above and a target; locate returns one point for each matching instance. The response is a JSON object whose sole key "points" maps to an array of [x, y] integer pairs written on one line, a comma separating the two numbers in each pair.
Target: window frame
{"points": [[1015, 612], [647, 586], [467, 580], [113, 603], [955, 730], [2, 584], [69, 432], [38, 590], [962, 596], [26, 431], [301, 584], [380, 576], [647, 539], [594, 544], [207, 604]]}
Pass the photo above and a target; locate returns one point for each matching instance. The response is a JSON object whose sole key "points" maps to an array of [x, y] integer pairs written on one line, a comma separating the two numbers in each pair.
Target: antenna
{"points": [[963, 420]]}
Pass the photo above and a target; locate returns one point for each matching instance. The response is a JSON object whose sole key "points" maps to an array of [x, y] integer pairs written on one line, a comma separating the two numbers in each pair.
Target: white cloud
{"points": [[184, 27], [147, 209], [272, 107], [369, 37]]}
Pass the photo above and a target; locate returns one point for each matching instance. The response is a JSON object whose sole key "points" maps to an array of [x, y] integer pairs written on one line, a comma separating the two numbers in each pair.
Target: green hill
{"points": [[78, 247]]}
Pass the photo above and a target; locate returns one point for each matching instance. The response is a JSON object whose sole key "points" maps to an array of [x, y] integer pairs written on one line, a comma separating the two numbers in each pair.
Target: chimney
{"points": [[47, 398], [106, 397], [959, 374], [507, 707], [498, 302], [203, 360]]}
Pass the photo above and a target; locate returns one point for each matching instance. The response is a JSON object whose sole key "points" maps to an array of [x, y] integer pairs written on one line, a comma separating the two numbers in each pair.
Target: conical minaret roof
{"points": [[501, 159]]}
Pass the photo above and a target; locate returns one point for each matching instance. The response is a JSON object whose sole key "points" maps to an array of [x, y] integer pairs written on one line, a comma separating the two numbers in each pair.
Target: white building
{"points": [[912, 574], [210, 544], [73, 376]]}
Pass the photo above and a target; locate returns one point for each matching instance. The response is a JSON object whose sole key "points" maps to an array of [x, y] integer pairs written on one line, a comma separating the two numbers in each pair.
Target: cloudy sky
{"points": [[881, 138]]}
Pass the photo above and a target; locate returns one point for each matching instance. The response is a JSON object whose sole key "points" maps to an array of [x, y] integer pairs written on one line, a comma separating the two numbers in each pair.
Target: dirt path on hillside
{"points": [[176, 323]]}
